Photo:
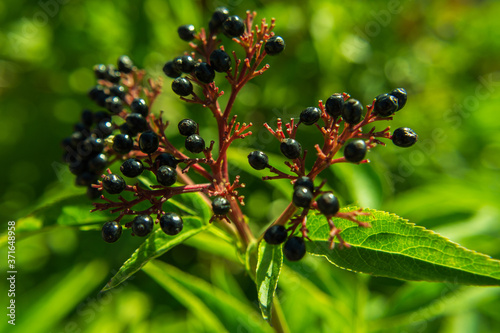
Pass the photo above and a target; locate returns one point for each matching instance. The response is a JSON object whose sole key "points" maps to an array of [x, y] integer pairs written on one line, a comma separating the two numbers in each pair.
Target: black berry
{"points": [[220, 206], [171, 70], [166, 159], [185, 63], [186, 32], [93, 193], [218, 17], [85, 179], [182, 86], [113, 184], [328, 204], [136, 122], [112, 75], [302, 197], [204, 72], [114, 104], [305, 182], [187, 127], [125, 129], [166, 176], [258, 160], [142, 225], [139, 106], [294, 248], [233, 26], [148, 142], [100, 71], [385, 105], [195, 143], [118, 91], [98, 95], [92, 145], [98, 163], [220, 61], [125, 65], [103, 129], [87, 118], [171, 224], [100, 116], [355, 151], [122, 143], [404, 137], [111, 231], [274, 45], [291, 148], [132, 168], [334, 105], [400, 94], [276, 234], [352, 111], [310, 115]]}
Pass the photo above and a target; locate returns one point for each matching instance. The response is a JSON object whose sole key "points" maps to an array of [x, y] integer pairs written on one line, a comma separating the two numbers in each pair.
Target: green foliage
{"points": [[268, 270]]}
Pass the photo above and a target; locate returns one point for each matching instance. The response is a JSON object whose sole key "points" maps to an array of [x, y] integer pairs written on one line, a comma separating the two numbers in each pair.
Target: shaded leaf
{"points": [[269, 265]]}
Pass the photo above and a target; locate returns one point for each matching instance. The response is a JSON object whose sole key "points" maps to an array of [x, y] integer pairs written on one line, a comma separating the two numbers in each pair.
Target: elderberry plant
{"points": [[153, 171]]}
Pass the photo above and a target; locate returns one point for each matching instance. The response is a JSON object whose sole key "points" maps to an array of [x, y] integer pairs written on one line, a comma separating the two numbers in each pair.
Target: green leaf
{"points": [[155, 245], [396, 248], [268, 271]]}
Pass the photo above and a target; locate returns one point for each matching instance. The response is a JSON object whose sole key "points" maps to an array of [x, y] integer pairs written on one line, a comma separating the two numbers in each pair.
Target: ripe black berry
{"points": [[113, 184], [148, 142], [103, 129], [400, 94], [166, 159], [142, 225], [274, 45], [258, 160], [220, 61], [276, 234], [310, 115], [328, 204], [302, 197], [184, 63], [305, 182], [404, 137], [291, 148], [100, 71], [204, 72], [218, 17], [118, 91], [92, 145], [171, 224], [170, 70], [294, 248], [139, 106], [136, 122], [385, 105], [132, 168], [186, 32], [355, 151], [125, 65], [352, 111], [182, 86], [98, 95], [334, 105], [122, 143], [112, 75], [111, 231], [166, 176], [220, 206], [87, 118], [233, 26], [100, 116], [125, 129], [98, 163], [187, 127], [195, 143]]}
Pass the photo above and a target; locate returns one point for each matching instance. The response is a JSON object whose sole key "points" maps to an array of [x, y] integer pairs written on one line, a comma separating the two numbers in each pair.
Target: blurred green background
{"points": [[446, 54]]}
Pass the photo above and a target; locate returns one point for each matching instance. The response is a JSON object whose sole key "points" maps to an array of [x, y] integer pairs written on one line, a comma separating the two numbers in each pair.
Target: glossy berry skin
{"points": [[401, 95], [352, 111], [274, 45], [404, 137], [291, 148], [302, 197], [171, 70], [118, 91], [334, 105], [125, 65], [113, 184], [166, 159], [220, 206], [125, 129], [187, 127], [148, 142], [220, 61], [112, 75], [98, 95], [305, 182], [171, 224], [233, 26], [139, 106], [103, 129], [194, 143], [310, 115], [136, 122], [184, 63], [328, 204], [132, 168], [385, 105], [182, 86], [166, 176], [100, 116], [294, 248], [355, 151], [122, 143], [204, 72], [275, 235], [218, 17], [186, 32], [100, 71], [91, 145], [258, 160], [111, 231], [142, 225], [98, 163]]}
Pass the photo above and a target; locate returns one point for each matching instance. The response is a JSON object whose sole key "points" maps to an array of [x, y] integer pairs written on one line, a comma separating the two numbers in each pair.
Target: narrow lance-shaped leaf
{"points": [[268, 271], [396, 248]]}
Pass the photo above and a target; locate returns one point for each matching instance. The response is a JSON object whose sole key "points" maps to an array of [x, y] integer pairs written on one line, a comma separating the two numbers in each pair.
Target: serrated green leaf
{"points": [[155, 245], [396, 248], [269, 265]]}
